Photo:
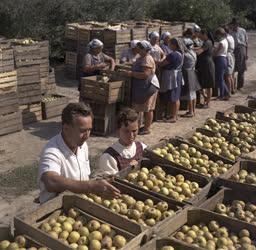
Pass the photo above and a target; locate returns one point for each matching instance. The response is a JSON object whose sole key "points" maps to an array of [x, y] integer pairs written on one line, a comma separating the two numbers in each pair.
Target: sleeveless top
{"points": [[123, 162]]}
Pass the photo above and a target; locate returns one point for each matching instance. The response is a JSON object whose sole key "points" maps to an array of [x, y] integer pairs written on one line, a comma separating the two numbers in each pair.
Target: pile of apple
{"points": [[244, 116], [74, 230], [243, 176], [20, 243], [243, 133], [192, 159], [167, 248], [217, 145], [156, 180], [214, 236], [144, 213], [50, 98], [238, 209]]}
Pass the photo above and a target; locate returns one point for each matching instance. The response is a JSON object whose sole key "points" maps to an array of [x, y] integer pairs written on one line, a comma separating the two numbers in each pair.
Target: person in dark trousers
{"points": [[241, 51], [221, 63]]}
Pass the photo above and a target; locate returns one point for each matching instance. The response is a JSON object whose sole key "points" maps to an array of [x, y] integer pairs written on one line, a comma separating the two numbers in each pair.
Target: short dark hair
{"points": [[73, 109], [125, 116]]}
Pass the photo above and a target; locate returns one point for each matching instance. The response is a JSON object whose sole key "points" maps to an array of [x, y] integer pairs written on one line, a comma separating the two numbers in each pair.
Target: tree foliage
{"points": [[46, 19]]}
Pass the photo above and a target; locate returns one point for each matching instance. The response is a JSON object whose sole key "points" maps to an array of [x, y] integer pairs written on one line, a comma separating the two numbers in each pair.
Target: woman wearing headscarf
{"points": [[165, 45], [131, 54], [191, 84], [95, 60], [221, 63], [205, 67], [172, 77], [145, 85], [156, 52]]}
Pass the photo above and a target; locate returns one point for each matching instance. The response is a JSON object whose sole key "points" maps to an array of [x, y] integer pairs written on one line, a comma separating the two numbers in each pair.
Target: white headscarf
{"points": [[134, 43], [95, 43], [196, 28], [165, 34], [146, 45], [153, 34]]}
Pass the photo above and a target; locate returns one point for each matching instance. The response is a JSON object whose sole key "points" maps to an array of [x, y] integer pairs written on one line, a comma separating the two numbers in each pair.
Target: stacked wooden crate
{"points": [[102, 97], [10, 117], [27, 61], [44, 64]]}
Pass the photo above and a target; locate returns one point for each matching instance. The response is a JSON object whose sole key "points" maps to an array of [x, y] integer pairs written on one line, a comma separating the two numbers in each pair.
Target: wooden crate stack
{"points": [[10, 117], [102, 97], [27, 61], [44, 64]]}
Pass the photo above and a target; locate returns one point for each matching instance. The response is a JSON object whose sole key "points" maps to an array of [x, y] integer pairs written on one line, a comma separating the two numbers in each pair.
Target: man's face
{"points": [[78, 132], [127, 134]]}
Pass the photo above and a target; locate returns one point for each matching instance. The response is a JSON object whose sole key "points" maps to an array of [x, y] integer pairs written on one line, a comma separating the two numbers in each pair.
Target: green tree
{"points": [[207, 13]]}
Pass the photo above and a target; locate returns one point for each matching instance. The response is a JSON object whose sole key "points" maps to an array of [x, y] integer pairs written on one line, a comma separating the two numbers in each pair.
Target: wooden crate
{"points": [[127, 96], [166, 28], [52, 108], [44, 49], [248, 165], [8, 103], [84, 36], [208, 133], [26, 55], [97, 33], [226, 196], [8, 82], [71, 31], [112, 37], [176, 29], [104, 117], [28, 75], [195, 216], [43, 84], [203, 182], [158, 243], [252, 104], [110, 92], [71, 58], [6, 234], [70, 45], [29, 222], [142, 196], [139, 33], [152, 29], [51, 84], [6, 60], [116, 50], [10, 123], [188, 25], [44, 67], [156, 159], [29, 93], [31, 113]]}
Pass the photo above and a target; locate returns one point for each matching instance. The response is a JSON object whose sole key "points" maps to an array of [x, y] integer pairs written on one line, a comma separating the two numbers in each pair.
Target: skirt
{"points": [[191, 82], [240, 59], [206, 72], [148, 105], [173, 95], [231, 64]]}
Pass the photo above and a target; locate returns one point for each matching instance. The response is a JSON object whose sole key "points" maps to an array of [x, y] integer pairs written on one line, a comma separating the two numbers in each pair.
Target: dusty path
{"points": [[19, 152]]}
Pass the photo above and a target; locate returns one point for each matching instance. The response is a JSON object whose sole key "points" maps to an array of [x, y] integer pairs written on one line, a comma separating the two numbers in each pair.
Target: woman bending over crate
{"points": [[95, 60]]}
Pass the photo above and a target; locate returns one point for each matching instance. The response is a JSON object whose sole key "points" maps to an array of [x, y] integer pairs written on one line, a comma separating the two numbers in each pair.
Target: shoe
{"points": [[187, 115], [144, 132]]}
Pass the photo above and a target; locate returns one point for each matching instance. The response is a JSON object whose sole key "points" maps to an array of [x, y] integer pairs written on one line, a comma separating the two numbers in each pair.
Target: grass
{"points": [[22, 180], [19, 181]]}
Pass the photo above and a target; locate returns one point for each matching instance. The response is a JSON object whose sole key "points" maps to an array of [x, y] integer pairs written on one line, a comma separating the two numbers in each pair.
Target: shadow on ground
{"points": [[45, 130]]}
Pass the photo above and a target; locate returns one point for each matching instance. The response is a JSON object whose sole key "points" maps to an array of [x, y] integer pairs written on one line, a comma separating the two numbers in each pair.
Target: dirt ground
{"points": [[19, 152]]}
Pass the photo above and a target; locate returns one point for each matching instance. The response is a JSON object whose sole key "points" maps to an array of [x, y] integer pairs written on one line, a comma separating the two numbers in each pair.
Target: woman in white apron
{"points": [[172, 77]]}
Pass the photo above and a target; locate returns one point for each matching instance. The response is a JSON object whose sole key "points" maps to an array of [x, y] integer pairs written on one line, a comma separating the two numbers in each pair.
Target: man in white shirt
{"points": [[126, 151], [64, 163], [241, 51]]}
